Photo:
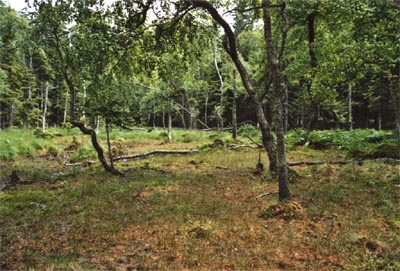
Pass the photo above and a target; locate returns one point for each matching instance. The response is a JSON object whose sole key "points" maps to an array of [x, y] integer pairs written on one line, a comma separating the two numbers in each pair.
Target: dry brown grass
{"points": [[200, 212]]}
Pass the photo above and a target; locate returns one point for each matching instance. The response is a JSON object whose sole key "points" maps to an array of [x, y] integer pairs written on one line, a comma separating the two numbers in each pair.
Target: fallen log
{"points": [[343, 162], [234, 146], [146, 154]]}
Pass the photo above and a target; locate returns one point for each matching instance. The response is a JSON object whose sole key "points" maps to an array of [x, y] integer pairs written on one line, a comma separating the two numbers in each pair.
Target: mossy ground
{"points": [[196, 211]]}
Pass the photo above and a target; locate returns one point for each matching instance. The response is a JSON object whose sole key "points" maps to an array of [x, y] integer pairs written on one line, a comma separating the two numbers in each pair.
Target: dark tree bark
{"points": [[231, 48], [234, 107], [273, 64], [313, 64], [74, 122]]}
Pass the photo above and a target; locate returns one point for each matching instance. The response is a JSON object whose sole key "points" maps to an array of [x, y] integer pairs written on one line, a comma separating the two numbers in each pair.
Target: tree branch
{"points": [[146, 154]]}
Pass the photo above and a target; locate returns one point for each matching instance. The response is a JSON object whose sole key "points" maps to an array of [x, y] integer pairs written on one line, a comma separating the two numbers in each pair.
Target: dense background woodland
{"points": [[197, 110]]}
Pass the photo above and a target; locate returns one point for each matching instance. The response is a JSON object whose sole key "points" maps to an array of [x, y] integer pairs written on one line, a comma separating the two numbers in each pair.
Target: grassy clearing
{"points": [[197, 211]]}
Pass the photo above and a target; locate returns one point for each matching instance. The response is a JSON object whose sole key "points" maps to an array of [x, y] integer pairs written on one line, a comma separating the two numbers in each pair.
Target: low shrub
{"points": [[54, 151], [7, 151], [40, 134], [83, 153]]}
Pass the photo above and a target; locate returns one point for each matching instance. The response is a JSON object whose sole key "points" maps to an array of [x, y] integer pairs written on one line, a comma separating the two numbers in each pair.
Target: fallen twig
{"points": [[267, 194], [142, 155], [252, 140]]}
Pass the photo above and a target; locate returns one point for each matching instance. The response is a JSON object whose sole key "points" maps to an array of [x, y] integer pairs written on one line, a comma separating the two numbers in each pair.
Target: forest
{"points": [[200, 135]]}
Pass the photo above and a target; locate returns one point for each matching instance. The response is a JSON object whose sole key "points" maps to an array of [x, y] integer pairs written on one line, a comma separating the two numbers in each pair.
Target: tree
{"points": [[277, 162]]}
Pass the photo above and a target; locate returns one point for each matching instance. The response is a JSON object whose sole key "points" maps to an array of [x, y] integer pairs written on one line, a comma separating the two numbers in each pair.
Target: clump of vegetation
{"points": [[83, 153], [54, 151], [39, 133], [285, 210], [7, 151], [249, 130], [384, 150], [74, 145]]}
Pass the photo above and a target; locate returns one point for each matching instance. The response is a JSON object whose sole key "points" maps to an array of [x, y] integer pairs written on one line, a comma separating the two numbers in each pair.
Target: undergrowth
{"points": [[197, 211]]}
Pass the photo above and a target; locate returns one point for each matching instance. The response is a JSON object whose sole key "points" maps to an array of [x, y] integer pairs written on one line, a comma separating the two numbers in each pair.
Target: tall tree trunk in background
{"points": [[163, 118], [153, 113], [273, 63], [12, 109], [285, 105], [231, 48], [221, 97], [97, 124], [84, 103], [234, 107], [109, 143], [65, 108], [350, 107], [315, 107], [379, 120], [171, 105], [394, 85], [45, 101], [206, 110]]}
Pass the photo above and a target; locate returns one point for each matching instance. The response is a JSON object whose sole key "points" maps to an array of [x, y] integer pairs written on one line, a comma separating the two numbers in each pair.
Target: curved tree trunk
{"points": [[74, 122], [231, 48]]}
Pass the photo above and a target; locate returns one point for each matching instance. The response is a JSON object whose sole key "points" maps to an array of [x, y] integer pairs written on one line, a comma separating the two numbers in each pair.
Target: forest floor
{"points": [[198, 212]]}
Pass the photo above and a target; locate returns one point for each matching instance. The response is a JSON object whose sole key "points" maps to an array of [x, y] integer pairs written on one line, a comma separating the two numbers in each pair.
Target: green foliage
{"points": [[38, 132], [7, 151], [83, 153], [364, 139], [54, 150], [249, 130]]}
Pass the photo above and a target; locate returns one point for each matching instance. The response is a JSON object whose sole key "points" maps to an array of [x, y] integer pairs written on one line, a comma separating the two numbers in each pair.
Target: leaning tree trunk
{"points": [[221, 97], [76, 123], [273, 63], [231, 48]]}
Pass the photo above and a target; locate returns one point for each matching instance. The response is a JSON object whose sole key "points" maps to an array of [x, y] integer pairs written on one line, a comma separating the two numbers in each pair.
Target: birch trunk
{"points": [[273, 63], [171, 104], [45, 100], [221, 99], [234, 106]]}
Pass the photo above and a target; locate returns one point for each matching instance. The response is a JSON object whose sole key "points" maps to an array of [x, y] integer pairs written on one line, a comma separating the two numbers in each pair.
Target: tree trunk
{"points": [[109, 144], [350, 116], [65, 108], [163, 118], [171, 105], [97, 124], [75, 123], [84, 103], [379, 120], [273, 63], [234, 107], [313, 65], [221, 97], [231, 48], [286, 105], [45, 101], [206, 110]]}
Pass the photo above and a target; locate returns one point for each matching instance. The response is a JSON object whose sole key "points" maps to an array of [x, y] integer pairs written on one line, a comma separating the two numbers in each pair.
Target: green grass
{"points": [[196, 211]]}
